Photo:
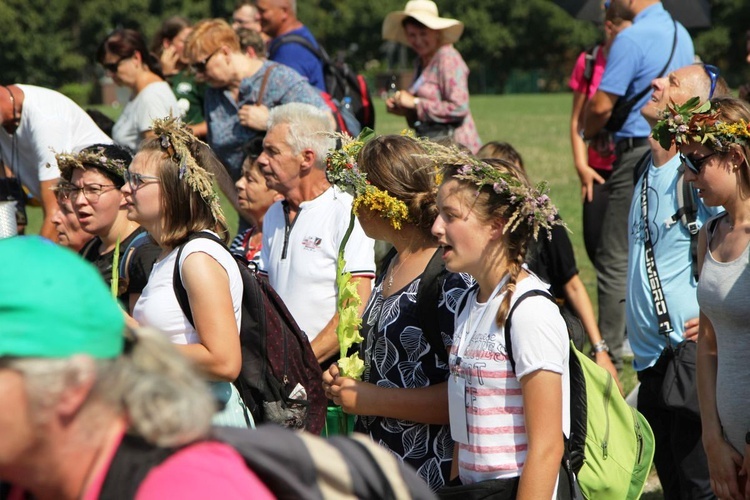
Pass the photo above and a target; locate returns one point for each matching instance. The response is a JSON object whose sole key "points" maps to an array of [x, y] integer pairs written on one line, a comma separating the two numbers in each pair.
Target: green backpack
{"points": [[611, 445]]}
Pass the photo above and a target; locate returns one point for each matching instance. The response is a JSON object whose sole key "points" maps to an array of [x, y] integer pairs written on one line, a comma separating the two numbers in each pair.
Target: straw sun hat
{"points": [[426, 12]]}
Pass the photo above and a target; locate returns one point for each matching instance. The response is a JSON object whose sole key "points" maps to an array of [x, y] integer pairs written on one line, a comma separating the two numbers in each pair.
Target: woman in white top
{"points": [[169, 192], [125, 57], [508, 424]]}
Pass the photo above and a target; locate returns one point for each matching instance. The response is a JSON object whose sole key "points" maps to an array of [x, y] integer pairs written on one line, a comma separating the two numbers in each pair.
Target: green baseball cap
{"points": [[54, 304]]}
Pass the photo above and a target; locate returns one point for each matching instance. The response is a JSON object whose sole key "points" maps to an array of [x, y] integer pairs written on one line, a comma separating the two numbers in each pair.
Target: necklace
{"points": [[393, 269]]}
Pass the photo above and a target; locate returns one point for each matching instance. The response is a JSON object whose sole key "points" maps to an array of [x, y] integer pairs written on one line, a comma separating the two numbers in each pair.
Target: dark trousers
{"points": [[679, 456], [611, 261], [593, 216]]}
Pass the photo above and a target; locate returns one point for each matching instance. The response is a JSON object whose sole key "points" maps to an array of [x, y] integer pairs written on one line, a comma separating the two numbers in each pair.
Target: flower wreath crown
{"points": [[696, 122], [97, 158], [174, 137], [528, 205]]}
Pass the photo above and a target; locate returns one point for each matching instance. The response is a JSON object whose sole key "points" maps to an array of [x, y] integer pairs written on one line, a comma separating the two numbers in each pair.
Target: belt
{"points": [[625, 145]]}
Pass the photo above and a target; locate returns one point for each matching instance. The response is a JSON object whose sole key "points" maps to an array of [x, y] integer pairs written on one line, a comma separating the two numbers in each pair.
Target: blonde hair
{"points": [[208, 36]]}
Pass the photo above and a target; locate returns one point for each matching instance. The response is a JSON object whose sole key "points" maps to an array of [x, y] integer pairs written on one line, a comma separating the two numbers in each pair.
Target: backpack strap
{"points": [[428, 298], [318, 52], [177, 285], [264, 83], [127, 254], [508, 338]]}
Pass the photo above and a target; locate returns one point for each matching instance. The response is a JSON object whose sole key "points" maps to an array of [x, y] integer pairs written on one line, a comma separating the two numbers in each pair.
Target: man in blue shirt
{"points": [[278, 18], [679, 455], [637, 56]]}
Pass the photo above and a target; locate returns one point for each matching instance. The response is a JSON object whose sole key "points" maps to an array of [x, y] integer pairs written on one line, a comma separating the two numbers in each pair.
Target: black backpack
{"points": [[276, 354], [346, 87], [292, 465]]}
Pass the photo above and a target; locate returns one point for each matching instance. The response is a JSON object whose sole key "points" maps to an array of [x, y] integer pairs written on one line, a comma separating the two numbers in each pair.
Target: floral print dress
{"points": [[443, 91], [397, 355]]}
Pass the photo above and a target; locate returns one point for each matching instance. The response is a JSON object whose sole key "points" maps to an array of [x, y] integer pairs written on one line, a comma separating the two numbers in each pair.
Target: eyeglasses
{"points": [[113, 67], [713, 73], [695, 164], [92, 192], [137, 180], [200, 66]]}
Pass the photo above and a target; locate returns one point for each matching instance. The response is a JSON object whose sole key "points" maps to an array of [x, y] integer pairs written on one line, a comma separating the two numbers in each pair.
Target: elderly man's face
{"points": [[19, 435], [278, 163], [273, 13], [678, 86]]}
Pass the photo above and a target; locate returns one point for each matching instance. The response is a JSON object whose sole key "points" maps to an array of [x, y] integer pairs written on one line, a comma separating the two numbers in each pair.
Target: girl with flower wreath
{"points": [[120, 248], [508, 423], [170, 193], [402, 399], [715, 146]]}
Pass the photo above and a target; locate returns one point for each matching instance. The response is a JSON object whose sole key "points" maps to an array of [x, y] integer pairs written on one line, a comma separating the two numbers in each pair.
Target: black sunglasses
{"points": [[200, 66], [695, 164], [713, 73], [113, 67]]}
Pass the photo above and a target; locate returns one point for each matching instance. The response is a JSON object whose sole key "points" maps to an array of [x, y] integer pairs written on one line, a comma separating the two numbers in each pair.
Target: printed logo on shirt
{"points": [[311, 243]]}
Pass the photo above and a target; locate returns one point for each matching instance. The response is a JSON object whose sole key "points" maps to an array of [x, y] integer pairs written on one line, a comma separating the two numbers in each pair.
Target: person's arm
{"points": [[542, 403], [597, 112], [207, 284], [326, 343], [453, 82], [49, 205], [426, 405], [586, 174], [200, 130], [578, 298], [723, 460]]}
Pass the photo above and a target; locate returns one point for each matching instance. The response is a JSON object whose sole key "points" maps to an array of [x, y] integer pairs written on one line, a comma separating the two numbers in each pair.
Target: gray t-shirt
{"points": [[154, 101]]}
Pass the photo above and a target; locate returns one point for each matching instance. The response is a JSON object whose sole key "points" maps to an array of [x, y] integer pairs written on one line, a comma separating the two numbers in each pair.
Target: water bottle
{"points": [[347, 102], [393, 87]]}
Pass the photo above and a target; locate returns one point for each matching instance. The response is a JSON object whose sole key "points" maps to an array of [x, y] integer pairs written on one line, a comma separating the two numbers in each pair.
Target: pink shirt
{"points": [[204, 470], [599, 159]]}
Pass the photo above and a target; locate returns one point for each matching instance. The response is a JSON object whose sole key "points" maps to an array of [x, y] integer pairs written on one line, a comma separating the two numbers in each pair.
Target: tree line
{"points": [[54, 43]]}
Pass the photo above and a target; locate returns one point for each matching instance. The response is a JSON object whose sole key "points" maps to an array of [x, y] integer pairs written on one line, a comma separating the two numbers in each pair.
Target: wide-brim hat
{"points": [[426, 12]]}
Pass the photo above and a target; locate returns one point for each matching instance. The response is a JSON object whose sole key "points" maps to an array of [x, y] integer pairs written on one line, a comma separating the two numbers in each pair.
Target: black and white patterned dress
{"points": [[397, 355]]}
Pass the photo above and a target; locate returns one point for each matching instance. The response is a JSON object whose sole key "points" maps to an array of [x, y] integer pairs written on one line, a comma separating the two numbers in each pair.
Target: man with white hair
{"points": [[302, 233]]}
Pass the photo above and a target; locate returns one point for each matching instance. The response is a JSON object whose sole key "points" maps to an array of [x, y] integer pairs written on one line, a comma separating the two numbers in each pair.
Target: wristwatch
{"points": [[600, 346]]}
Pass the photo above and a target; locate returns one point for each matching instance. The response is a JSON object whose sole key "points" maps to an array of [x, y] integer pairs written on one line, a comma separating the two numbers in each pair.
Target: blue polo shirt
{"points": [[299, 58], [671, 243], [637, 56]]}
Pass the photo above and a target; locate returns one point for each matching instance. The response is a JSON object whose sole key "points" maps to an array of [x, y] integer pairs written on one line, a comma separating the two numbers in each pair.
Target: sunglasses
{"points": [[695, 164], [113, 67], [713, 73], [200, 66], [137, 180]]}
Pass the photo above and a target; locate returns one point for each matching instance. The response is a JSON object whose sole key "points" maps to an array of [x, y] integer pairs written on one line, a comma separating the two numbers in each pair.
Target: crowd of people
{"points": [[101, 358]]}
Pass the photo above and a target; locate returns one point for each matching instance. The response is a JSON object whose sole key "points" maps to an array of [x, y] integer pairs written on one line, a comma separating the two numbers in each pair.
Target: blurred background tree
{"points": [[510, 45]]}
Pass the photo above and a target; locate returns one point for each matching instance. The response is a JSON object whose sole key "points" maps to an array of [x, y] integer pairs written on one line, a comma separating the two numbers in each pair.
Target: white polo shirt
{"points": [[300, 260]]}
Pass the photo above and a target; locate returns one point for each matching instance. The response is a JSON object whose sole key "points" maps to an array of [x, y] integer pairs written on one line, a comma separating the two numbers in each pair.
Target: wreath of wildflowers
{"points": [[89, 158], [696, 122], [343, 171], [175, 137], [528, 205]]}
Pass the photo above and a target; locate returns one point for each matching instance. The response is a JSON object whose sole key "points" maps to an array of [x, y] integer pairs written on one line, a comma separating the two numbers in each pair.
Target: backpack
{"points": [[687, 207], [344, 86], [611, 445], [276, 354], [292, 465]]}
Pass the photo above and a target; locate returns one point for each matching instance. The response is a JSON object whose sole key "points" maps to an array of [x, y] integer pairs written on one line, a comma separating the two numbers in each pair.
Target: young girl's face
{"points": [[463, 236], [718, 181]]}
